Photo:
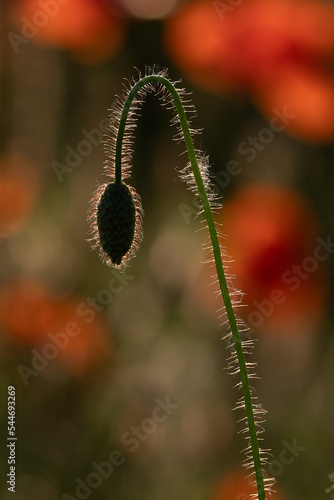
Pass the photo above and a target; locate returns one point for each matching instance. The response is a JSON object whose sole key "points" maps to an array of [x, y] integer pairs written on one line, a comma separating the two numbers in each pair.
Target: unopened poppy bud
{"points": [[116, 219]]}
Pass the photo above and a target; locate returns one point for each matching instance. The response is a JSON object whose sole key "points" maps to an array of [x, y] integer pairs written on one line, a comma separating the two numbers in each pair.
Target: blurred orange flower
{"points": [[83, 27], [90, 346], [281, 52], [235, 486], [18, 192], [26, 311], [279, 257], [31, 315]]}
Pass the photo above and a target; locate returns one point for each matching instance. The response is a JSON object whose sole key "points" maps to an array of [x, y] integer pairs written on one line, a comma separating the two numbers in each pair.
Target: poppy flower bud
{"points": [[116, 219]]}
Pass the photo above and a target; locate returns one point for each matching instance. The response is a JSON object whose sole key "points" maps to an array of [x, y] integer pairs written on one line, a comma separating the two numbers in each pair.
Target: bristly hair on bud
{"points": [[116, 216]]}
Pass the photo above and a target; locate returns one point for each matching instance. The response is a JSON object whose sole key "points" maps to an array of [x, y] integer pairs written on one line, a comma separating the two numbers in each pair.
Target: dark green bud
{"points": [[116, 219]]}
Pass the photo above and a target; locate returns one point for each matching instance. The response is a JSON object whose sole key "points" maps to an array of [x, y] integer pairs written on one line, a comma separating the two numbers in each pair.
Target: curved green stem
{"points": [[215, 246]]}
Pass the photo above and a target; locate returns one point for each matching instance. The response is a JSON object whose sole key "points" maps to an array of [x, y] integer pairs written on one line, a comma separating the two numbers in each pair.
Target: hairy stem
{"points": [[215, 246]]}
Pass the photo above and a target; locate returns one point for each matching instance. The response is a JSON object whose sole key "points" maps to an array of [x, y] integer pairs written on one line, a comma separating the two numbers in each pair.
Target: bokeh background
{"points": [[96, 356]]}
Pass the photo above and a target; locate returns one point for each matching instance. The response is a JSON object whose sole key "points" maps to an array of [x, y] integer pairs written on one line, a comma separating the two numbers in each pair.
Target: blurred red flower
{"points": [[18, 192], [279, 257], [30, 315], [280, 52], [235, 486], [86, 28]]}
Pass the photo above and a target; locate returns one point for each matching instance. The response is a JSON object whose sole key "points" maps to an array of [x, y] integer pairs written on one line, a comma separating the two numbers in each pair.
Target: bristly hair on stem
{"points": [[112, 233], [330, 489]]}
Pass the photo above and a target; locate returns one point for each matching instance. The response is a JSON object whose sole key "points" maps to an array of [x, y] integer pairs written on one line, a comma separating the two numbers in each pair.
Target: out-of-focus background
{"points": [[121, 387]]}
